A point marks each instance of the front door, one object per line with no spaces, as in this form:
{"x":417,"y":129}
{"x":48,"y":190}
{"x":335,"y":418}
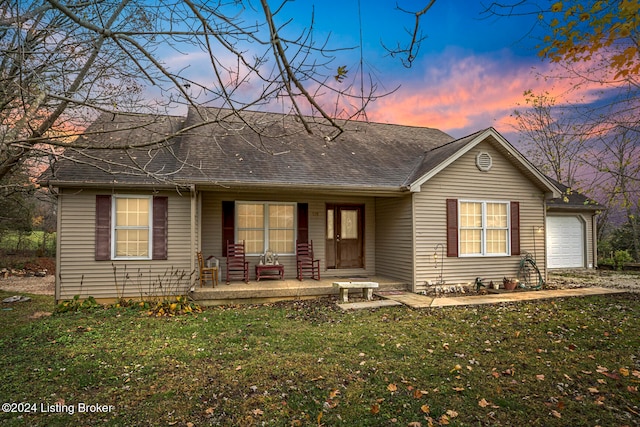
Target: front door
{"x":345,"y":242}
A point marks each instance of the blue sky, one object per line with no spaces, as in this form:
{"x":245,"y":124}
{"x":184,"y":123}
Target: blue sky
{"x":472,"y":69}
{"x":471,"y":73}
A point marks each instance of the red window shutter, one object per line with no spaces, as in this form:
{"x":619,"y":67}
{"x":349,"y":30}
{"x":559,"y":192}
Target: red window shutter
{"x":452,"y":227}
{"x":160,"y":227}
{"x":303,"y":222}
{"x":103,"y":228}
{"x":515,"y":228}
{"x":228,"y":224}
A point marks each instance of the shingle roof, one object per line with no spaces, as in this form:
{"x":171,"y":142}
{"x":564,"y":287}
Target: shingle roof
{"x":107,"y":162}
{"x":571,"y":199}
{"x":230,"y":151}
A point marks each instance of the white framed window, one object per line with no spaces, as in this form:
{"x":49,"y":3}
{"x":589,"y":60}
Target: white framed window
{"x":132,"y":219}
{"x":484,"y":228}
{"x":266,"y":226}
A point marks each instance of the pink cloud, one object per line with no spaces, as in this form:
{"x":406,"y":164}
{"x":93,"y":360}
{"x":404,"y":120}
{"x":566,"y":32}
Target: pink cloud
{"x":461,"y":94}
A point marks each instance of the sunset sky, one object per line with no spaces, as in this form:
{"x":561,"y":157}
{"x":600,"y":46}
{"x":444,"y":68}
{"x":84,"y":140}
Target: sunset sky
{"x":471,"y":73}
{"x":472,"y":69}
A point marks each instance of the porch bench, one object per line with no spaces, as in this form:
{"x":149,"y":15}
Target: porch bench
{"x":367,"y":289}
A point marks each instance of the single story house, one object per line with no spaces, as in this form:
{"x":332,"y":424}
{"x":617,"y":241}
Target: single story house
{"x":409,"y":203}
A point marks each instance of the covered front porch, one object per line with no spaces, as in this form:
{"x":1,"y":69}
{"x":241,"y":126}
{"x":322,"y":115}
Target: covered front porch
{"x":264,"y":291}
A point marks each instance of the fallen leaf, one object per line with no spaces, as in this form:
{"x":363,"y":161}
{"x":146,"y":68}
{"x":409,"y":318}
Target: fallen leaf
{"x":624,"y":372}
{"x":444,"y":420}
{"x":425,"y":408}
{"x":632,"y":388}
{"x":258,"y":412}
{"x":452,"y":413}
{"x":593,"y":390}
{"x":417,"y":394}
{"x":495,"y":374}
{"x":458,"y":388}
{"x":238,"y":368}
{"x":334,"y":393}
{"x":540,"y":377}
{"x":636,"y":373}
{"x":414,"y":424}
{"x":556,"y":414}
{"x":375,"y":409}
{"x":483,"y":403}
{"x":392,"y":387}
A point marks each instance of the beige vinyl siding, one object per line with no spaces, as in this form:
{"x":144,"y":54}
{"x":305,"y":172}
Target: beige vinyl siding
{"x":78,"y":272}
{"x":463,"y":181}
{"x":591,"y":241}
{"x":212,"y":228}
{"x":394,"y":238}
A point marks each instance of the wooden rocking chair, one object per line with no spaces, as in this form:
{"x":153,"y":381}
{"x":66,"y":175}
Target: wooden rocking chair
{"x":237,"y":265}
{"x":306,"y":264}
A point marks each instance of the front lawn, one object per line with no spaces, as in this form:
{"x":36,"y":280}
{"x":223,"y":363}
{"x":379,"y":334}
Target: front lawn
{"x":557,"y":362}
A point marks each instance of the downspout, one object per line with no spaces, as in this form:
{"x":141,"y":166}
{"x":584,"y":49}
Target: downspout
{"x":414,"y":262}
{"x":544,"y":246}
{"x":594,"y":239}
{"x":58,"y":279}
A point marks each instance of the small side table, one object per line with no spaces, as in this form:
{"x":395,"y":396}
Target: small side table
{"x":269,"y":271}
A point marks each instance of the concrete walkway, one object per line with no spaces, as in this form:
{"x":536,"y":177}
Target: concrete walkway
{"x":423,"y":301}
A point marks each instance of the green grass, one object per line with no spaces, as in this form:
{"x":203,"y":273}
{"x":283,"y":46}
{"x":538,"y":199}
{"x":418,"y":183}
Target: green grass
{"x":563,"y":362}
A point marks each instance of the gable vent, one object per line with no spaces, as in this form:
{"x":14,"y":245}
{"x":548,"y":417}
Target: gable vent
{"x":484,"y":161}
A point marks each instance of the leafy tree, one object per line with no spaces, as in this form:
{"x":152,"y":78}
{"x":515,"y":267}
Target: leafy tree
{"x":601,"y":30}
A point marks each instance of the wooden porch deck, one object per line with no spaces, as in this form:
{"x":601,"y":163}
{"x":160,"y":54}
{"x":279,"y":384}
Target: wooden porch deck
{"x":268,"y":290}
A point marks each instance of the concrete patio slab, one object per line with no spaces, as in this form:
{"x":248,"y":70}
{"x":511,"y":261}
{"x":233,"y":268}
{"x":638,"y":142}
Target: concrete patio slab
{"x":522,"y":296}
{"x":408,"y":298}
{"x":423,"y":301}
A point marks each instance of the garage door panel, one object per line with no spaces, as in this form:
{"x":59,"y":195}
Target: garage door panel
{"x":565,"y":242}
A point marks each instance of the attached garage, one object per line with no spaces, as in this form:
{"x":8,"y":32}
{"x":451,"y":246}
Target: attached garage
{"x":565,"y":241}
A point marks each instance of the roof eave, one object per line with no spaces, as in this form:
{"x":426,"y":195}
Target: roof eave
{"x":308,"y":188}
{"x":112,"y":184}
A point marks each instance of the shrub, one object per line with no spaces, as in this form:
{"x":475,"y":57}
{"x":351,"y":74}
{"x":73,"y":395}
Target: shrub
{"x":76,"y":304}
{"x":620,"y":258}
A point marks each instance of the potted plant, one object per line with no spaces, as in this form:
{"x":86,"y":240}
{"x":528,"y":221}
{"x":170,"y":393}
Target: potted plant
{"x":509,"y":284}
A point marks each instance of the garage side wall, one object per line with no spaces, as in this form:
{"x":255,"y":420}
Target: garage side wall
{"x":463,"y":180}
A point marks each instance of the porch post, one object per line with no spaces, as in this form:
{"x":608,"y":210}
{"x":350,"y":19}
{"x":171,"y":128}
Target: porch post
{"x":194,"y":229}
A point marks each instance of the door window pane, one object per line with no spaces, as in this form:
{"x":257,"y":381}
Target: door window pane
{"x":330,"y":226}
{"x":348,"y":224}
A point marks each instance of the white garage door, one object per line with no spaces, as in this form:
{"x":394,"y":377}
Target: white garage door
{"x":565,"y":242}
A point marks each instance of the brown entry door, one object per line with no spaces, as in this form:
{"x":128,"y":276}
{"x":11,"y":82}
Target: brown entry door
{"x":345,"y":227}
